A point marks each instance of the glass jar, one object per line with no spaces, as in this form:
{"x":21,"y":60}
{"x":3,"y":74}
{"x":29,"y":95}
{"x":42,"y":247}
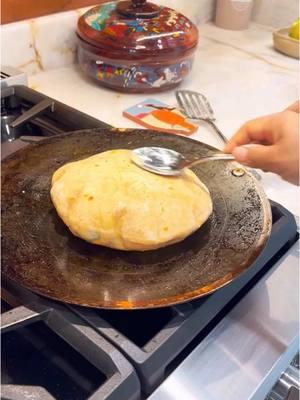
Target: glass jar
{"x":135,"y":46}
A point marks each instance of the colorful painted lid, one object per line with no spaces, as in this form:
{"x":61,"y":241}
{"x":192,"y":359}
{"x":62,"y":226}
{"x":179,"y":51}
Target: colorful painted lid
{"x":137,"y":29}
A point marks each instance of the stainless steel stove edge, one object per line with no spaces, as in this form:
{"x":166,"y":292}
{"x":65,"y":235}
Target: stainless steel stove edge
{"x":12,"y":76}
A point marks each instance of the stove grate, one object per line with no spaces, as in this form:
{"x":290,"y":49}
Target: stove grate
{"x":53,"y":355}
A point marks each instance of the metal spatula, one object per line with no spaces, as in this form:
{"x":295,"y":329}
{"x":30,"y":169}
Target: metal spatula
{"x":196,"y":106}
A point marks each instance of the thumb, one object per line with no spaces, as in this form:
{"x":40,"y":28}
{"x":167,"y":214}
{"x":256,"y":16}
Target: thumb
{"x":255,"y":156}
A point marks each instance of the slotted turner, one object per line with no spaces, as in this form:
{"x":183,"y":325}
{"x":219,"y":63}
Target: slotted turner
{"x":196,"y":106}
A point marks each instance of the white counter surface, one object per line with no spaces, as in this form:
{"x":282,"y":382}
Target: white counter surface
{"x":240,"y":73}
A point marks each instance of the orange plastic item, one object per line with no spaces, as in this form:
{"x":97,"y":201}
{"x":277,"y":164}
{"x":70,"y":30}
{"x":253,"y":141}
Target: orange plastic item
{"x":156,"y":115}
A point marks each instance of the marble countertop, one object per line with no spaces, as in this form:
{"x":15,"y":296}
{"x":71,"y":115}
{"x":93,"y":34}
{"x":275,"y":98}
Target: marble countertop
{"x":240,"y":73}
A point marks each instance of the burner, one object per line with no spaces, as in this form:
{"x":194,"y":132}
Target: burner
{"x":25,"y":112}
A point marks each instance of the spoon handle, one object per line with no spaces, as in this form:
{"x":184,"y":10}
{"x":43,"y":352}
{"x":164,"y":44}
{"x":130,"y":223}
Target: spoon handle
{"x":213,"y":157}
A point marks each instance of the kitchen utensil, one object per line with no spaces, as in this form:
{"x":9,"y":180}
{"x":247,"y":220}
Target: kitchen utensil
{"x":40,"y":253}
{"x":196,"y":106}
{"x":136,"y":46}
{"x":163,"y":161}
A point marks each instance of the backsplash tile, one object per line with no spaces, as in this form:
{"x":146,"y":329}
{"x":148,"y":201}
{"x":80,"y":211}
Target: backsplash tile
{"x":18,"y":47}
{"x":55,"y":39}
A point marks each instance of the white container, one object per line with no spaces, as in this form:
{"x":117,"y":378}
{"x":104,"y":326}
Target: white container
{"x":233,"y":14}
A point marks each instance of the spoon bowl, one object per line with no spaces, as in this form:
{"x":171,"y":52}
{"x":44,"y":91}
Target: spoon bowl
{"x":169,"y":162}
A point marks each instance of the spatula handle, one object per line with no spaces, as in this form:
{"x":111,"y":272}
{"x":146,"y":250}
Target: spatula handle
{"x":217,"y":130}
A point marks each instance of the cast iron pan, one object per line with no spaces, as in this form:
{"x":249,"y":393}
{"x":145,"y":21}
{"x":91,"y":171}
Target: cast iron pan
{"x":40,"y":253}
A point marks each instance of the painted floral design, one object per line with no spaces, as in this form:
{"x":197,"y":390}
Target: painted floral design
{"x":107,"y":20}
{"x":169,"y":30}
{"x":97,"y":20}
{"x":136,"y":76}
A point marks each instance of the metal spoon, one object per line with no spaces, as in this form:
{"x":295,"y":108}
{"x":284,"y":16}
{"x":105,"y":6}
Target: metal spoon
{"x":168,"y":162}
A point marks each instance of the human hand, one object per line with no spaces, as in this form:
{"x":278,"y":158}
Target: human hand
{"x":295,"y":107}
{"x":270,"y":143}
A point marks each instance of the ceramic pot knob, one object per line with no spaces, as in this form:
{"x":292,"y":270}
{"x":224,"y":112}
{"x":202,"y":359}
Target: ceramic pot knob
{"x":138,"y":9}
{"x":138,"y":3}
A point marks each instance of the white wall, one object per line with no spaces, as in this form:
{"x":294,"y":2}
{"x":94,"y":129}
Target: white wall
{"x":276,"y":13}
{"x":199,"y":11}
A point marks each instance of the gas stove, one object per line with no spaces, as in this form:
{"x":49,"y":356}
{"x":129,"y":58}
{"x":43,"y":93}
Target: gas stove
{"x":64,"y":352}
{"x":27,"y":115}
